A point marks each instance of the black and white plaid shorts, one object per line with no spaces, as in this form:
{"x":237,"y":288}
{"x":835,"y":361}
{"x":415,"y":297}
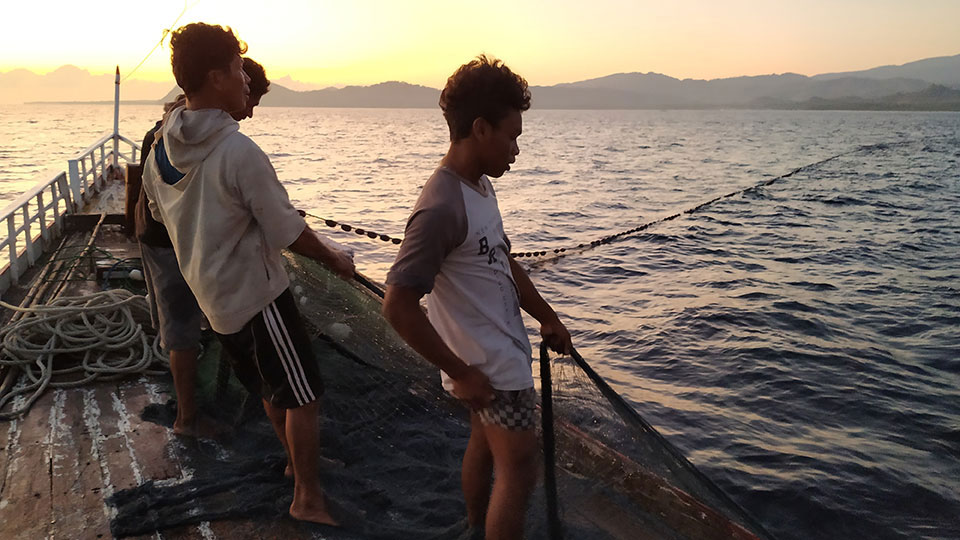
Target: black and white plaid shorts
{"x":511,"y":409}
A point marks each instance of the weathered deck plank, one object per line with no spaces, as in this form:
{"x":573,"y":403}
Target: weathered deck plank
{"x":77,"y":487}
{"x":153,"y":449}
{"x":10,"y":436}
{"x":25,"y":511}
{"x":149,"y":441}
{"x":119,"y":472}
{"x":245,"y":528}
{"x":8,"y":432}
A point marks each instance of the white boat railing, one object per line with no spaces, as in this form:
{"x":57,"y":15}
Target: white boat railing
{"x":35,"y":219}
{"x":87,"y":170}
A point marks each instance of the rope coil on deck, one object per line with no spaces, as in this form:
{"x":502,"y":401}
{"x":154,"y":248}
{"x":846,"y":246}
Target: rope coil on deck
{"x":98,"y":330}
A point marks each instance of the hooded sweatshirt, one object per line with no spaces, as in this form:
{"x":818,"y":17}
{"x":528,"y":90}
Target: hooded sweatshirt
{"x":227,"y":214}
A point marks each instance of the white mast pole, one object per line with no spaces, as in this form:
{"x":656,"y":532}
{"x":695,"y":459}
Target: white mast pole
{"x":116,"y":118}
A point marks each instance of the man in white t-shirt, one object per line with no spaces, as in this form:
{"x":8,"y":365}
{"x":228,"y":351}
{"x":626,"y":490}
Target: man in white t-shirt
{"x":454,"y":248}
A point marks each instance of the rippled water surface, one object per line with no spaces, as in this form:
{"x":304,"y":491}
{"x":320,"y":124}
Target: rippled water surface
{"x":798,"y":341}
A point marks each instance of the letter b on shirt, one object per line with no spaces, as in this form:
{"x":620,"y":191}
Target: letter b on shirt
{"x":485,"y":249}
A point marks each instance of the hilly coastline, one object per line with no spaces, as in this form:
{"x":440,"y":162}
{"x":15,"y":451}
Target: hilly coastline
{"x":931,"y":84}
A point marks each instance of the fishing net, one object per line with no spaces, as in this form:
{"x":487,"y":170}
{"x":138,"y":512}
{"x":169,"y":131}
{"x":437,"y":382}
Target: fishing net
{"x":616,"y":473}
{"x":392,"y":442}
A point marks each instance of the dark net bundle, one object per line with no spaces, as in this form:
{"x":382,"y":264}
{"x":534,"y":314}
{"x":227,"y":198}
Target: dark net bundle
{"x":392,"y":442}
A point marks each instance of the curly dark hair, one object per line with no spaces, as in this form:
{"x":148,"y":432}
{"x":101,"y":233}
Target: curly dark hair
{"x":259,"y":83}
{"x":482,"y":88}
{"x":198,"y":49}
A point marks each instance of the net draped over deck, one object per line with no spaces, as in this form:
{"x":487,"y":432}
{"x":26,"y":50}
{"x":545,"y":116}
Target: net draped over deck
{"x":392,"y":442}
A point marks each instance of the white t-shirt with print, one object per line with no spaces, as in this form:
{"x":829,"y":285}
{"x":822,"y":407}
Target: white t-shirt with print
{"x":455,"y":250}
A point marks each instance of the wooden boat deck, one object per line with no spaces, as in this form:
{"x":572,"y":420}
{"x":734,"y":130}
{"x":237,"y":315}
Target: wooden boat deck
{"x":76,"y":447}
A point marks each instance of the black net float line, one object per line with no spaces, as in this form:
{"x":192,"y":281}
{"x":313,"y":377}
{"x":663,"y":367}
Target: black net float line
{"x":556,"y":253}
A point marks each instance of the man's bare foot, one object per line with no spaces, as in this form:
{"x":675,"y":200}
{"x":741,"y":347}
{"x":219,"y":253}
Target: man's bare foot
{"x":315,"y":512}
{"x":201,"y":428}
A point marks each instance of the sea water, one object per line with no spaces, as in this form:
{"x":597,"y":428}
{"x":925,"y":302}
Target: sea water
{"x":799,"y":342}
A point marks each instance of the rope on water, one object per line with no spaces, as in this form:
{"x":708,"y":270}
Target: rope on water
{"x":584,"y":246}
{"x":559,"y":252}
{"x":362,"y":232}
{"x":587,"y":245}
{"x":98,"y":332}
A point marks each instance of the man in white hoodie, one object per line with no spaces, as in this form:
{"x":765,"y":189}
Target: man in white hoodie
{"x":173,"y":307}
{"x":228,"y":218}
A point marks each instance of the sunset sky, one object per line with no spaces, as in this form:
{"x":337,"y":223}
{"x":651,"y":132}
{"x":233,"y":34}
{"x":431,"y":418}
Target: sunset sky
{"x":369,"y":41}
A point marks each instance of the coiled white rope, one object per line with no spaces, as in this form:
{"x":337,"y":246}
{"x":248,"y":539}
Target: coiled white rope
{"x":100,"y":327}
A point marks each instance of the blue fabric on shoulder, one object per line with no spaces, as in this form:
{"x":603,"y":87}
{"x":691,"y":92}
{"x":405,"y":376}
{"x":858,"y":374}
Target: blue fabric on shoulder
{"x":168,"y":172}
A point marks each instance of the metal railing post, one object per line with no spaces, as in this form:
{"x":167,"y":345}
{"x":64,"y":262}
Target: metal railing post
{"x":116,"y":117}
{"x":64,"y":194}
{"x":12,"y":246}
{"x":103,"y":169}
{"x":74,"y":172}
{"x":28,"y":235}
{"x":42,"y":220}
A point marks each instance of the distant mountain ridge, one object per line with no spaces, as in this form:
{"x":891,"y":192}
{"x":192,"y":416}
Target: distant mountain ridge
{"x":942,"y":70}
{"x":933,"y":98}
{"x":70,"y":83}
{"x":391,"y":94}
{"x":901,"y":87}
{"x":642,"y":90}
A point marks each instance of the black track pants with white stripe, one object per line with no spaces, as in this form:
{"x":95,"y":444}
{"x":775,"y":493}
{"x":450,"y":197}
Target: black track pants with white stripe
{"x":272,"y":356}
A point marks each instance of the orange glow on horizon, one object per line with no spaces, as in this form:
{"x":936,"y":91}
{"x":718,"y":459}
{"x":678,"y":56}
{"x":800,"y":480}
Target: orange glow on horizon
{"x":370,"y":41}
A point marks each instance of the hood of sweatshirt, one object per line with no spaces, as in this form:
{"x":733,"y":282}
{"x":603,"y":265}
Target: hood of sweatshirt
{"x":190,"y":136}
